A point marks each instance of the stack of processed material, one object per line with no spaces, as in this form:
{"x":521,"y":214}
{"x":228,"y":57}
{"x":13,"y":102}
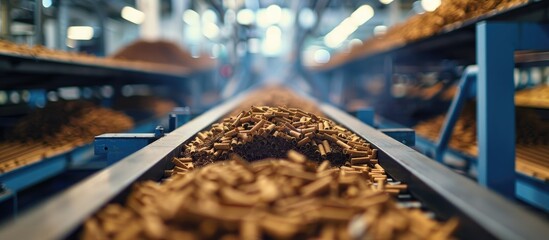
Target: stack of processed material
{"x":41,"y":52}
{"x":56,"y":128}
{"x":449,"y":14}
{"x":291,"y":198}
{"x":537,"y":97}
{"x":277,"y":96}
{"x":532,"y":134}
{"x":163,"y":52}
{"x":263,"y":131}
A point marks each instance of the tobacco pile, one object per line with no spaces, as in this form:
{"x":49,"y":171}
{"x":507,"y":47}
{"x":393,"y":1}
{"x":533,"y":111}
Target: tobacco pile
{"x":162,"y":52}
{"x":276,"y":96}
{"x":41,"y":52}
{"x":533,"y":97}
{"x":262,"y":132}
{"x":64,"y":122}
{"x":56,"y":129}
{"x":269,"y":199}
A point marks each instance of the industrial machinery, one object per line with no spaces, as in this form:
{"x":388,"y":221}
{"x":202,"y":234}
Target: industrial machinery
{"x":482,"y":214}
{"x":455,"y":77}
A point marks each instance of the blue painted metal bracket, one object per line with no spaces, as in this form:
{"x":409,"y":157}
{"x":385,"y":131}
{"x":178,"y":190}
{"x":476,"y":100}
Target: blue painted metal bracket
{"x":465,"y":91}
{"x":406,"y":136}
{"x":533,"y":191}
{"x":178,"y":117}
{"x":366,"y":115}
{"x":115,"y":146}
{"x":5,"y":193}
{"x":496,"y":44}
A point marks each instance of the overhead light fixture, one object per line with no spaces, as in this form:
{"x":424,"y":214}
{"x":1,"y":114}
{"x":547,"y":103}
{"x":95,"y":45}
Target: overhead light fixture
{"x":380,"y":30}
{"x":80,"y":33}
{"x":362,"y":14}
{"x":272,"y":45}
{"x":191,"y":17}
{"x":307,"y":18}
{"x":430,"y":5}
{"x":245,"y":17}
{"x":355,"y":42}
{"x":133,"y":15}
{"x":321,"y":56}
{"x":272,"y":15}
{"x":385,"y":1}
{"x":209,"y":16}
{"x":210,"y":30}
{"x":348,"y":26}
{"x":47,"y":3}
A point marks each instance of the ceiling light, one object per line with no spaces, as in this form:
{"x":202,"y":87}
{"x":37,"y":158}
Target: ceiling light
{"x":430,"y":5}
{"x":80,"y":32}
{"x":133,"y":15}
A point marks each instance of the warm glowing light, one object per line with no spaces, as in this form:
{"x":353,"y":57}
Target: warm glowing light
{"x":321,"y":56}
{"x":307,"y":18}
{"x":380,"y":30}
{"x":273,"y":41}
{"x":271,"y":15}
{"x":362,"y":14}
{"x":430,"y":5}
{"x":210,"y":30}
{"x":47,"y":3}
{"x":191,"y":17}
{"x":209,"y":16}
{"x":133,"y":15}
{"x":80,"y":32}
{"x":245,"y":17}
{"x":385,"y":1}
{"x":348,"y":26}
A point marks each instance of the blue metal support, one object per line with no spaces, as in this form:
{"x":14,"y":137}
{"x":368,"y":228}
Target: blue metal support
{"x":366,"y":115}
{"x":496,"y":45}
{"x":406,"y":136}
{"x":115,"y":146}
{"x":496,"y":107}
{"x":178,"y":117}
{"x":465,"y":91}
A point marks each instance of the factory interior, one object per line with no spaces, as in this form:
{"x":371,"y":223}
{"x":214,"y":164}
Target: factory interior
{"x":274,"y":119}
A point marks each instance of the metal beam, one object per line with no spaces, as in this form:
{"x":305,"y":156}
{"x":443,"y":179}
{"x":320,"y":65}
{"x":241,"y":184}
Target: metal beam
{"x":463,"y":93}
{"x":496,"y":106}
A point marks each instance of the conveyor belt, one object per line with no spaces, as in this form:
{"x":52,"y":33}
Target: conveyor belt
{"x":483,"y":215}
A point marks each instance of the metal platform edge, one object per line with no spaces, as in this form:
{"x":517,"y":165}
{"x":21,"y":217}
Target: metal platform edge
{"x":61,"y":215}
{"x":483,"y":213}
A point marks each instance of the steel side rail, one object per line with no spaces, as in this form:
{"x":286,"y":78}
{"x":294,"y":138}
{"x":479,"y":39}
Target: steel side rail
{"x":482,"y":213}
{"x":60,"y":216}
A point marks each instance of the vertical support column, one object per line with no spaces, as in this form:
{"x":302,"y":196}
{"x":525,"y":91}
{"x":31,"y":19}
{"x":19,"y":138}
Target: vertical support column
{"x":496,"y":107}
{"x":63,"y":24}
{"x":5,"y":10}
{"x":38,"y":23}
